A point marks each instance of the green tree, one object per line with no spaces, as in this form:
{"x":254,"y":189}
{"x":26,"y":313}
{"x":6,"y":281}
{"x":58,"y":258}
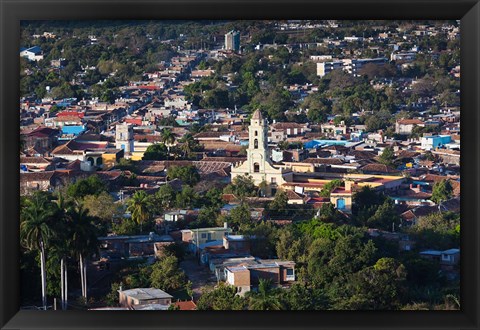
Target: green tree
{"x":102,"y":206}
{"x":241,"y":186}
{"x":441,"y":191}
{"x":266,"y":298}
{"x":155,"y":151}
{"x":439,"y":230}
{"x":89,"y":186}
{"x":189,"y":144}
{"x":186,"y":198}
{"x":165,"y":196}
{"x":168,"y":138}
{"x":82,"y":240}
{"x":166,"y":275}
{"x":126,"y":226}
{"x":240,"y":215}
{"x":290,"y":246}
{"x":206,"y":218}
{"x":375,"y":288}
{"x":300,"y":297}
{"x":188,"y":174}
{"x":387,"y":157}
{"x":36,"y":230}
{"x":385,"y":217}
{"x":365,"y":204}
{"x":330,"y":186}
{"x":140,"y":205}
{"x":222,"y":298}
{"x":213,"y":197}
{"x":279,"y":204}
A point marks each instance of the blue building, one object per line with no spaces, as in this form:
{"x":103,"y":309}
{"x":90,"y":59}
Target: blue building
{"x":435,"y":141}
{"x":319,"y":143}
{"x":72,"y":131}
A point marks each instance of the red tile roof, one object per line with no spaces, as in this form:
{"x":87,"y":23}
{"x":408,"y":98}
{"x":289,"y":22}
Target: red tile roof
{"x":410,"y":122}
{"x":328,"y":161}
{"x":379,"y":168}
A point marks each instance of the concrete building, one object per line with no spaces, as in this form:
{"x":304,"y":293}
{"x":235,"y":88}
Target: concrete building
{"x":246,"y":275}
{"x":232,"y":41}
{"x":405,"y":56}
{"x":144,"y":296}
{"x":353,"y":66}
{"x":435,"y":141}
{"x":324,"y":68}
{"x":405,"y":126}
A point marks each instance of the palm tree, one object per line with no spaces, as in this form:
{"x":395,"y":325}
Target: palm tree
{"x":139,"y":205}
{"x":83,"y":241}
{"x":35,"y":231}
{"x":61,"y":243}
{"x":188,"y":142}
{"x":168,"y":138}
{"x":266,"y":298}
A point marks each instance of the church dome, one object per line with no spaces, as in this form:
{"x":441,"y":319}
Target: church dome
{"x":257,"y":115}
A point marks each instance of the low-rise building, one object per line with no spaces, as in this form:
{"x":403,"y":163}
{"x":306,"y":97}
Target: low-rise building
{"x":405,"y":126}
{"x":143,"y":296}
{"x":435,"y":141}
{"x":244,"y":276}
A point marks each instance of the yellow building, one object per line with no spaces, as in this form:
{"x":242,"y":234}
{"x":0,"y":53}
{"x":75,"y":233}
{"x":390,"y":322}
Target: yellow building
{"x":111,"y":157}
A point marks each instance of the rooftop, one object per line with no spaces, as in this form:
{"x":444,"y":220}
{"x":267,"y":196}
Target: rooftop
{"x":146,"y":293}
{"x":257,"y":115}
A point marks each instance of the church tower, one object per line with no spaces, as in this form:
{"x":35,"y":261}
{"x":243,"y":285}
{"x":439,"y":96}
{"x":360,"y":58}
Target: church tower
{"x":257,"y":152}
{"x":124,"y":137}
{"x":258,"y":164}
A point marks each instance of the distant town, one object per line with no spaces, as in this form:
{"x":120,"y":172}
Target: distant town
{"x":240,"y":165}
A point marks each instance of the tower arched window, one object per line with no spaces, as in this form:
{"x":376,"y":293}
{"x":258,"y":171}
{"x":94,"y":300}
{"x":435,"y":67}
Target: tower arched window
{"x":255,"y":144}
{"x":256,"y":133}
{"x":256,"y":168}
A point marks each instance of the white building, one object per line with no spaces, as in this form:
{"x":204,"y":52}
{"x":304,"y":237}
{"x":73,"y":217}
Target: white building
{"x":323,"y":68}
{"x":32,"y":54}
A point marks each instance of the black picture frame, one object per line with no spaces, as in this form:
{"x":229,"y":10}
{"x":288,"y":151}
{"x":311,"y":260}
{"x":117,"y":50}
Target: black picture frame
{"x":13,"y":11}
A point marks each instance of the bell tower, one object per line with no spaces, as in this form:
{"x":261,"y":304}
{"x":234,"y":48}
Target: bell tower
{"x":258,"y":164}
{"x":257,"y":152}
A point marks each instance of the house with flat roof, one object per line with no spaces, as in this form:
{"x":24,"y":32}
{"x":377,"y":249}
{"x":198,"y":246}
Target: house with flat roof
{"x":244,"y":276}
{"x":143,"y":296}
{"x":200,"y":236}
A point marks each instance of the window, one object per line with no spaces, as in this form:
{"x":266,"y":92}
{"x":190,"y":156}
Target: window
{"x":204,"y":235}
{"x":256,"y":168}
{"x":290,"y":274}
{"x":256,"y":133}
{"x":255,"y":144}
